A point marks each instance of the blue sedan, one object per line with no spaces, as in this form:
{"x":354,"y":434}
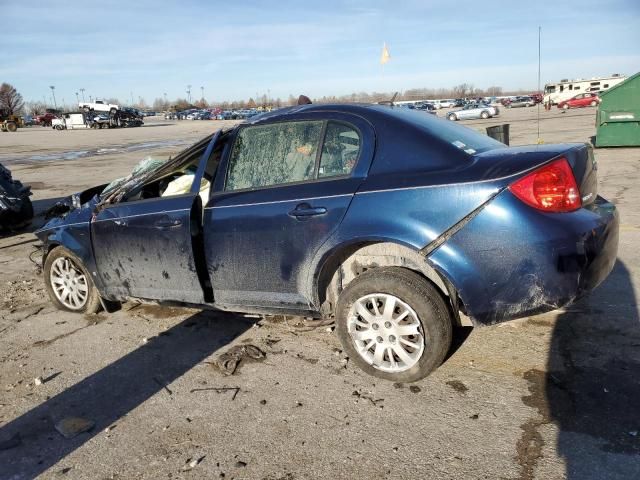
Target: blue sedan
{"x":389,"y":221}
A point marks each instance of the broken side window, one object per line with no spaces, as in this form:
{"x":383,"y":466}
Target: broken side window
{"x":340,"y":150}
{"x":274,"y":154}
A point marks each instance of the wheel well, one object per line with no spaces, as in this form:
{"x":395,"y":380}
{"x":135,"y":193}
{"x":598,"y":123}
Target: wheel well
{"x":344,"y":266}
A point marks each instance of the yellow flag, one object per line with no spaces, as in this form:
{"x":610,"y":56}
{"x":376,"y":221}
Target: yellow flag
{"x":384,"y":58}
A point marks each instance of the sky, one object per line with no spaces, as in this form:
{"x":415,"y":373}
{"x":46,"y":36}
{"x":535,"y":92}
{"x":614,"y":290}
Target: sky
{"x":236,"y":50}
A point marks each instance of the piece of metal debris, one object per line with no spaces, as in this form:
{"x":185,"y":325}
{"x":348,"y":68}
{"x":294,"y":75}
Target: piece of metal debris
{"x":38,"y":381}
{"x":70,"y":427}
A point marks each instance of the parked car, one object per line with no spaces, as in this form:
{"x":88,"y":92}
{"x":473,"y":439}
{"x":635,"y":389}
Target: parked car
{"x":16,"y":209}
{"x":472,"y":111}
{"x":45,"y":119}
{"x":426,"y":107}
{"x":387,"y":220}
{"x":581,"y":100}
{"x":522,"y":101}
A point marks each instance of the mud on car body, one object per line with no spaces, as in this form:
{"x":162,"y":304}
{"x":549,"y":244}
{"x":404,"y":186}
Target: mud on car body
{"x":388,"y":220}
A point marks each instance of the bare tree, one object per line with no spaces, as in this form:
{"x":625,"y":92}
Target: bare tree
{"x":494,"y":91}
{"x":35,"y":108}
{"x":10,"y":100}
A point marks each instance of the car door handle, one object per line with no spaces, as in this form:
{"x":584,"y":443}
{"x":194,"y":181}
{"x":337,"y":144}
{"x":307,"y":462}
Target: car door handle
{"x":168,"y":223}
{"x":306,"y":210}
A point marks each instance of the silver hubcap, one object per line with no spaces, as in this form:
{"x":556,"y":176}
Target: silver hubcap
{"x":386,"y":332}
{"x":69,"y":283}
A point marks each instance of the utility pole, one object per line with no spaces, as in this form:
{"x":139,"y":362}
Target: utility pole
{"x":189,"y":93}
{"x":82,"y":90}
{"x":90,"y":99}
{"x":53,"y":94}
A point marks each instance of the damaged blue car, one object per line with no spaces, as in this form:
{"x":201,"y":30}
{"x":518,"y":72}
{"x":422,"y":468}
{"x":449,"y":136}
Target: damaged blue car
{"x":392,"y":222}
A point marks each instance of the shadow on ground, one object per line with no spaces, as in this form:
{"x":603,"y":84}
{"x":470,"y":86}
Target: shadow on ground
{"x":113,"y":391}
{"x":591,"y":389}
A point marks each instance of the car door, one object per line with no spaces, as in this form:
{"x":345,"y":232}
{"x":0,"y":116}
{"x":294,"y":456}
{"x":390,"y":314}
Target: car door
{"x":148,"y":248}
{"x":271,"y":215}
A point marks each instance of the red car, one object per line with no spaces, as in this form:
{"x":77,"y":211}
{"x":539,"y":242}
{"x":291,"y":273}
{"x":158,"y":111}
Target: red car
{"x":45,"y":119}
{"x":582,"y":100}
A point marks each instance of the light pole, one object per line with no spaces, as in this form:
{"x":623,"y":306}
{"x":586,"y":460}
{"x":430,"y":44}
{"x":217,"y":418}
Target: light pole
{"x":132,"y":102}
{"x":202,"y":90}
{"x":82,"y":90}
{"x":189,"y":93}
{"x":166,"y":104}
{"x":53,"y":93}
{"x":77,"y":98}
{"x":90,"y":99}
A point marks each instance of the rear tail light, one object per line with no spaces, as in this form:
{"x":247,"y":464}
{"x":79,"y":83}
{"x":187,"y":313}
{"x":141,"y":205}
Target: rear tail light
{"x":551,"y":188}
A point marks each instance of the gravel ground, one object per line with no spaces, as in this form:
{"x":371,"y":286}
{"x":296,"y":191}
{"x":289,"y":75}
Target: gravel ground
{"x":547,"y":397}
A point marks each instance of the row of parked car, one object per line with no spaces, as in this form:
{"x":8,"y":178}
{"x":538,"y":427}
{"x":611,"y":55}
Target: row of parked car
{"x":211,"y":114}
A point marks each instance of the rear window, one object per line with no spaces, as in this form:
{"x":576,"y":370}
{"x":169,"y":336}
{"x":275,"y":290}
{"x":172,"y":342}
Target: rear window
{"x":461,"y":137}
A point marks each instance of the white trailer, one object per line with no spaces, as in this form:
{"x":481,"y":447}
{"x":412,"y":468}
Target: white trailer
{"x":566,"y":89}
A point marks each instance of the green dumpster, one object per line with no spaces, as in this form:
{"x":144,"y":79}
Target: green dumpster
{"x":618,"y":117}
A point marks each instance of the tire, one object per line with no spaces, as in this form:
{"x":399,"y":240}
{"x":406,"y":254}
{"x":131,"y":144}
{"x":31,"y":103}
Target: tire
{"x":593,"y":103}
{"x":112,"y":111}
{"x":427,"y":313}
{"x":484,"y":115}
{"x":86,"y":109}
{"x":565,"y":106}
{"x":91,"y":303}
{"x":452,"y":117}
{"x":11,"y":127}
{"x":59,"y":127}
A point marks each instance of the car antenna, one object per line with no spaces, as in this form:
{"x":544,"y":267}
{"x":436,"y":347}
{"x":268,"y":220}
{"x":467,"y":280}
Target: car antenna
{"x":389,"y":102}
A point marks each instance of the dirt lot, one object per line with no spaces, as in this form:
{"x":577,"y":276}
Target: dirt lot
{"x":547,"y":397}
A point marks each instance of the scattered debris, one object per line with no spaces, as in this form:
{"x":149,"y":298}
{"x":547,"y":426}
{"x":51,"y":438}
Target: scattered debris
{"x":229,"y":361}
{"x":235,"y":390}
{"x":415,"y":389}
{"x":458,"y":386}
{"x":263,"y":402}
{"x":163,"y":385}
{"x":72,"y":426}
{"x":190,"y":464}
{"x":241,"y":464}
{"x":373,"y":401}
{"x":475,"y":416}
{"x":38,"y":381}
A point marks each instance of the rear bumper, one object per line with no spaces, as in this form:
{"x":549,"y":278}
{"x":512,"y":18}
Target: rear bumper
{"x":511,"y":261}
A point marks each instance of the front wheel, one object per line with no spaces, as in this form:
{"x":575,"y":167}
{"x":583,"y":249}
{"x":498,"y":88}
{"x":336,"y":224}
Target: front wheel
{"x":68,"y":283}
{"x":484,"y":115}
{"x":394,"y":324}
{"x":565,"y":106}
{"x":593,"y":103}
{"x":452,"y":117}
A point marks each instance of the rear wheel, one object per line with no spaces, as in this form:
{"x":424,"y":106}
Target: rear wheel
{"x":484,"y":114}
{"x":68,"y":283}
{"x":593,"y":103}
{"x":11,"y":127}
{"x":565,"y":106}
{"x":394,"y":324}
{"x":452,"y":117}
